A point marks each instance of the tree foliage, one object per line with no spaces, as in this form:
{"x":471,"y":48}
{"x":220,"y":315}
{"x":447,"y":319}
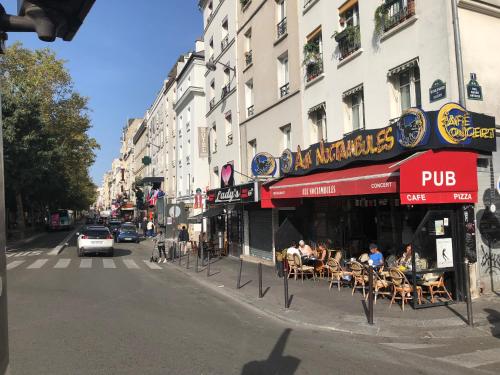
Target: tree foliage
{"x":47,"y":150}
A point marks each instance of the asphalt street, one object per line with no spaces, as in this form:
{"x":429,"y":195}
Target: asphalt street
{"x":124,"y":315}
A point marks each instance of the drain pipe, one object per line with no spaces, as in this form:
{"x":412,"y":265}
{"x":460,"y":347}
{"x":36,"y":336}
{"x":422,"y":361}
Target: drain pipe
{"x":458,"y":54}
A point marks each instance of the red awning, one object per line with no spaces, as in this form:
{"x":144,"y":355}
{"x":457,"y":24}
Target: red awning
{"x":458,"y":183}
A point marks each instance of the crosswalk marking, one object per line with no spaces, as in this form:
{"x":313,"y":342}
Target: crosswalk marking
{"x":22,"y":253}
{"x":10,"y":255}
{"x":152,"y":265}
{"x":474,"y":359}
{"x":62,"y":263}
{"x":86,"y":263}
{"x":129,"y":263}
{"x":33,"y":253}
{"x":14,"y":264}
{"x":108,"y":263}
{"x":410,"y":346}
{"x":39,"y":263}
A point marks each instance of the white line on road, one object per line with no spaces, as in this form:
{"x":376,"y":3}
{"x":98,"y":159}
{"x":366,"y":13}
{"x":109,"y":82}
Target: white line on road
{"x":39,"y":263}
{"x":86,"y":263}
{"x":22,"y":253}
{"x":9,"y":255}
{"x":14,"y":264}
{"x":62,"y":263}
{"x":130,"y":264}
{"x":409,"y":346}
{"x":108,"y":263}
{"x":152,"y":265}
{"x":33,"y":253}
{"x":474,"y":359}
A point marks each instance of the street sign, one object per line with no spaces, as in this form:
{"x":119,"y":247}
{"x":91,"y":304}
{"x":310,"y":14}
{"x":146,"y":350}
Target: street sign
{"x":474,"y":90}
{"x":174,"y":211}
{"x":437,"y":91}
{"x":146,"y":160}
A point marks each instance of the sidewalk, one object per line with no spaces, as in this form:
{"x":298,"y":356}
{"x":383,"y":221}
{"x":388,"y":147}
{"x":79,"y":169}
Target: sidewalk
{"x":314,"y":305}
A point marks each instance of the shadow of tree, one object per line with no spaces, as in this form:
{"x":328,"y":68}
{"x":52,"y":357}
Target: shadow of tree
{"x":494,"y":319}
{"x":276,"y":363}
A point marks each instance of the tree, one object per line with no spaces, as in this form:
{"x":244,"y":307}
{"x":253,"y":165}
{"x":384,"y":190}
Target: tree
{"x":48,"y":152}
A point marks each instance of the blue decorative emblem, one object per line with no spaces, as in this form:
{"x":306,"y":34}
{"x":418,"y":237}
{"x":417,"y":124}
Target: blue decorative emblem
{"x":263,"y":164}
{"x":413,"y":128}
{"x":286,"y":161}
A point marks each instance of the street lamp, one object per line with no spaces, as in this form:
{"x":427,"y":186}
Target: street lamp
{"x":50,"y":20}
{"x":213,"y":66}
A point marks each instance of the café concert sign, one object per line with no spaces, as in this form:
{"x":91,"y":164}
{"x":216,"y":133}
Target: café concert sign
{"x":452,"y":127}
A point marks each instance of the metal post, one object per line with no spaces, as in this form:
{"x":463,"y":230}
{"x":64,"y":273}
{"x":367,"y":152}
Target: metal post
{"x":458,"y":54}
{"x":197,"y":256}
{"x":260,"y":280}
{"x":370,"y":295}
{"x":187,"y":262}
{"x":470,"y":318}
{"x":238,"y":286}
{"x":285,"y":285}
{"x":208,"y":265}
{"x":202,"y":256}
{"x":180,"y":254}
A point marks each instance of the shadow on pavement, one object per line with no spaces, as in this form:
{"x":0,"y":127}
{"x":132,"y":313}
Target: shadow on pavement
{"x":494,"y":319}
{"x":464,"y":319}
{"x":276,"y":363}
{"x":117,"y":253}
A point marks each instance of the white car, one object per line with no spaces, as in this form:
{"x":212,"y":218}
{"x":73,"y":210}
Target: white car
{"x":95,"y":239}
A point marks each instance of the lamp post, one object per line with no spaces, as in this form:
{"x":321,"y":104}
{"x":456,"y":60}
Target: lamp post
{"x":50,"y":20}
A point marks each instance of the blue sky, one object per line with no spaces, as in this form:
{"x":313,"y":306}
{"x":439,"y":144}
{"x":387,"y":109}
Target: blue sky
{"x":119,"y":59}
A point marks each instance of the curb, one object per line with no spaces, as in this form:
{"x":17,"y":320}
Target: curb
{"x":426,"y":328}
{"x":59,"y":248}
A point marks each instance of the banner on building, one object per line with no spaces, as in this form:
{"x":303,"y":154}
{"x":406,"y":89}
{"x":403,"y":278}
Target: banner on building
{"x":203,"y":141}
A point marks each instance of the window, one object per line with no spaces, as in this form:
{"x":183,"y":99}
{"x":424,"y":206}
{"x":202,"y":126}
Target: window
{"x":397,"y":11}
{"x":211,"y":49}
{"x":317,"y":116}
{"x":283,"y":75}
{"x":281,"y":16}
{"x":213,"y":138}
{"x":225,"y":34}
{"x":287,"y":136}
{"x":248,"y":47}
{"x":227,"y":81}
{"x":355,"y":110}
{"x":228,"y":128}
{"x":212,"y":94}
{"x":313,"y":55}
{"x":348,"y":39}
{"x":409,"y":88}
{"x":249,"y":98}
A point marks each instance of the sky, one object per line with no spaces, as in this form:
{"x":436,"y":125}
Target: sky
{"x":119,"y":60}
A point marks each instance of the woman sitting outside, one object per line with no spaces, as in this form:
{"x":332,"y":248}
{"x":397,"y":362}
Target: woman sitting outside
{"x":405,"y":262}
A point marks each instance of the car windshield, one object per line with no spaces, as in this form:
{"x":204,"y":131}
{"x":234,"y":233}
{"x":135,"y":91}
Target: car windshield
{"x":96,"y":233}
{"x":127,"y":228}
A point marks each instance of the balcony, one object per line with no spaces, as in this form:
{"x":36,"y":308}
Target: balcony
{"x":244,"y":3}
{"x":229,"y":139}
{"x":281,"y":28}
{"x":250,"y":111}
{"x":224,"y":43}
{"x":395,"y":13}
{"x":314,"y":67}
{"x":225,"y":90}
{"x":285,"y":90}
{"x":211,"y":104}
{"x":307,"y":2}
{"x":248,"y":58}
{"x":349,"y":41}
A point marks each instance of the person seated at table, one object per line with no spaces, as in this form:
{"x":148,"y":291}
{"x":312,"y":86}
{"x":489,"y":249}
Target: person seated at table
{"x":293,"y":249}
{"x":307,"y":253}
{"x":323,"y":253}
{"x":376,"y":256}
{"x":405,"y":260}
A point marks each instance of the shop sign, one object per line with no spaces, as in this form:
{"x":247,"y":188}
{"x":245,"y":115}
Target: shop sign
{"x":227,"y":176}
{"x":263,"y":164}
{"x":235,"y":194}
{"x":437,"y":91}
{"x":474,"y":90}
{"x":203,"y":141}
{"x":450,"y":127}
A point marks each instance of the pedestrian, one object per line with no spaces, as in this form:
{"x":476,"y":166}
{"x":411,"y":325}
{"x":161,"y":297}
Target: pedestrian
{"x":183,"y":240}
{"x":160,"y":243}
{"x":149,"y":227}
{"x":144,"y":226}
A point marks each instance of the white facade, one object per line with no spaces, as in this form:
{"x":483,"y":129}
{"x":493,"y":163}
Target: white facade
{"x":222,"y":117}
{"x":190,"y":109}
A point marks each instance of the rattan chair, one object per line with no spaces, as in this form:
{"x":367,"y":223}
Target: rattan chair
{"x":381,"y":286}
{"x":292,"y":266}
{"x":336,"y":273}
{"x":402,"y":287}
{"x":302,"y":269}
{"x":359,"y":277}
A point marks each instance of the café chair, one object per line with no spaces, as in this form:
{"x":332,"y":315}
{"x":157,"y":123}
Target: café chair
{"x":301,"y":268}
{"x":435,"y":285}
{"x":292,"y":266}
{"x":402,"y":289}
{"x":336,"y":273}
{"x":381,"y":286}
{"x":359,"y":277}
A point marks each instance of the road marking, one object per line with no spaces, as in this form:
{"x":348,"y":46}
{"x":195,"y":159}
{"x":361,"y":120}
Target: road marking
{"x":86,"y":263}
{"x":14,"y":264}
{"x":59,"y":248}
{"x":62,"y":263}
{"x":10,"y":255}
{"x":33,"y":253}
{"x":108,"y":263}
{"x":152,"y":265}
{"x":130,"y":264}
{"x":37,"y":264}
{"x":474,"y":359}
{"x":409,"y":346}
{"x":22,"y":253}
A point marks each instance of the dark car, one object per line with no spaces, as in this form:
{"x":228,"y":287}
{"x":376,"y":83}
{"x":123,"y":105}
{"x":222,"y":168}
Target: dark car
{"x":127,"y":232}
{"x":89,"y":220}
{"x":114,"y":225}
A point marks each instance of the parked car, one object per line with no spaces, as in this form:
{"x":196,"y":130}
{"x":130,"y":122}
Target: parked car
{"x":114,"y":225}
{"x":127,"y":232}
{"x":95,"y":239}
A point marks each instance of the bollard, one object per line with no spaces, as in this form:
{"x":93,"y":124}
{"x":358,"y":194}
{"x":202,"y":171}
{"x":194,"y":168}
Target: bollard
{"x":208,"y":265}
{"x":180,"y":254}
{"x":202,"y":256}
{"x":197,"y":256}
{"x":285,"y":285}
{"x":370,"y":295}
{"x":470,"y":318}
{"x":187,"y":262}
{"x":260,"y":280}
{"x":238,"y":285}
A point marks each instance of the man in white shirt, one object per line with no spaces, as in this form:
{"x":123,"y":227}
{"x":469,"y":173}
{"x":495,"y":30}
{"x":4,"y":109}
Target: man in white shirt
{"x":293,"y":249}
{"x":305,"y":249}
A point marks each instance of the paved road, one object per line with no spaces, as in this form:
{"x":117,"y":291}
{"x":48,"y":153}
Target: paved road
{"x":123,"y":315}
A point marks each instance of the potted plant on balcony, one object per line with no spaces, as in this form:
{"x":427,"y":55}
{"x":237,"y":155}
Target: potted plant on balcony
{"x":311,"y":53}
{"x":351,"y":34}
{"x":381,"y":16}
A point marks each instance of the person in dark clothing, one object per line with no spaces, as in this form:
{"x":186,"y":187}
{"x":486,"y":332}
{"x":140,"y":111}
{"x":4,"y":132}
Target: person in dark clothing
{"x":183,"y":239}
{"x":160,"y":243}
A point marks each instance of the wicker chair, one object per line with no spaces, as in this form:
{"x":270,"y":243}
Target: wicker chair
{"x":292,"y":266}
{"x":435,"y":285}
{"x":336,"y":273}
{"x":402,"y":287}
{"x":359,"y":276}
{"x":381,"y":286}
{"x":302,"y":269}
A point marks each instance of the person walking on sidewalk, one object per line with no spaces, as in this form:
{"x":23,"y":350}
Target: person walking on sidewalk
{"x":160,"y":244}
{"x":183,"y":240}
